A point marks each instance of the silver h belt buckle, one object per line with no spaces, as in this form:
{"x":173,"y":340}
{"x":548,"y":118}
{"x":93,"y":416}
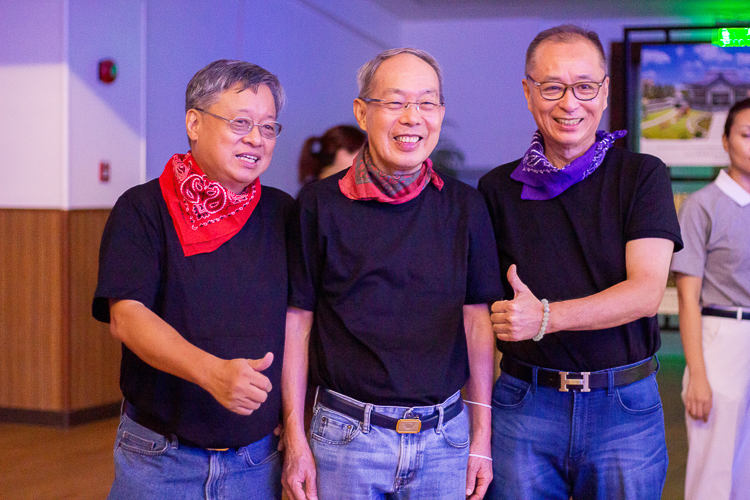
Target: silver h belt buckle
{"x":565,"y":381}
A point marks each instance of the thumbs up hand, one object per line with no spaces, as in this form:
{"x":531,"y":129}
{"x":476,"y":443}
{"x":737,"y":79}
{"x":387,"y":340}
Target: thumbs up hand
{"x":239,"y":385}
{"x":520,"y":318}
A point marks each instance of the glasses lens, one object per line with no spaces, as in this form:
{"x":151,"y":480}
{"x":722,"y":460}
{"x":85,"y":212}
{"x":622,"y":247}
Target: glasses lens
{"x":551,"y":90}
{"x":270,"y":130}
{"x":586,"y":90}
{"x":428,"y":108}
{"x":241,"y":126}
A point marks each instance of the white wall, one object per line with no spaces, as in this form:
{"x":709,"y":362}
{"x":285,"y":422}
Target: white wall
{"x":314,"y":47}
{"x":483,"y":61}
{"x":33,"y":83}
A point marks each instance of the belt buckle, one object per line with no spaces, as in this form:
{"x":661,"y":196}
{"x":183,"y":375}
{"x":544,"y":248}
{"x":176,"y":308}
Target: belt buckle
{"x":565,"y":381}
{"x":408,"y":425}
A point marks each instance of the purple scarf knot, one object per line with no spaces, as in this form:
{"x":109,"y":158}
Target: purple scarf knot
{"x":542,"y":181}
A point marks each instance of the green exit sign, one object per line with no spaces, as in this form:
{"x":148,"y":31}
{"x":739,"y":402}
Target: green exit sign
{"x":731,"y":37}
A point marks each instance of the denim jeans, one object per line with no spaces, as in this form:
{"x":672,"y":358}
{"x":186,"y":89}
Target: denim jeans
{"x":356,"y":460}
{"x":604,"y":444}
{"x":149,"y":466}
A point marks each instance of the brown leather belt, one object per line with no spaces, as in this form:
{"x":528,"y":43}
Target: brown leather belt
{"x":582,"y":381}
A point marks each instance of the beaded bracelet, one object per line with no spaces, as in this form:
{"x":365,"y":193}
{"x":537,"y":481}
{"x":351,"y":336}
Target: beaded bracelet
{"x":545,"y":320}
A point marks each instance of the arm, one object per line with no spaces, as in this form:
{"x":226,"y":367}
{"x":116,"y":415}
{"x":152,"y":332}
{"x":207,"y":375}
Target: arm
{"x":698,"y":396}
{"x":481,"y":347}
{"x":298,"y":477}
{"x":237,"y":384}
{"x":647,"y":267}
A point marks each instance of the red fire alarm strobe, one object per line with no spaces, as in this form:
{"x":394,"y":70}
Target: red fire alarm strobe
{"x":107,"y":70}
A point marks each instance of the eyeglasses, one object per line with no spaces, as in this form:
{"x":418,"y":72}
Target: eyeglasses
{"x":243,"y":126}
{"x":554,"y":91}
{"x":425,"y":108}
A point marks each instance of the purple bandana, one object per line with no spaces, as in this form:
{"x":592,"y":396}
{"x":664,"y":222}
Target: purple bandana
{"x":542,"y":181}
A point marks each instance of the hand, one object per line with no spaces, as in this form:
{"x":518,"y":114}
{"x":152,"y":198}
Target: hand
{"x":298,"y":476}
{"x":238,"y":384}
{"x":279,"y":431}
{"x":478,"y":477}
{"x":520,"y":318}
{"x":698,"y":397}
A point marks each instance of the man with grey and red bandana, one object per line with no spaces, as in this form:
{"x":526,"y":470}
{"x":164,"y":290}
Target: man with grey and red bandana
{"x":391,"y":270}
{"x":585,"y":232}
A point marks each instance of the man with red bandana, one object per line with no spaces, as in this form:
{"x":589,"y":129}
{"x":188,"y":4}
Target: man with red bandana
{"x":391,"y":269}
{"x":193,"y":280}
{"x":585,"y":232}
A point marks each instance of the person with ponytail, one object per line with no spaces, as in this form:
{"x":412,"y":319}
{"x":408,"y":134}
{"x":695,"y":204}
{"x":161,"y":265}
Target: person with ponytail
{"x":332,"y":152}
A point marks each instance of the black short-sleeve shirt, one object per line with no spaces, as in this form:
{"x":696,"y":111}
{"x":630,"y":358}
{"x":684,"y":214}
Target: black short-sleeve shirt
{"x":230,"y":302}
{"x":388,"y":284}
{"x":573,"y":246}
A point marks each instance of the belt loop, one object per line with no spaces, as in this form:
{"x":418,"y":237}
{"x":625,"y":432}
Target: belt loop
{"x":534,"y":370}
{"x":739,"y":314}
{"x":122,"y":408}
{"x":315,"y":401}
{"x":366,"y":423}
{"x":439,"y":427}
{"x":610,"y":382}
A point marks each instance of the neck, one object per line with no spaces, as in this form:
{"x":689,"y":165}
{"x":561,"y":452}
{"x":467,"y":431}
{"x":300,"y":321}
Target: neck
{"x":562,"y":157}
{"x":739,"y":177}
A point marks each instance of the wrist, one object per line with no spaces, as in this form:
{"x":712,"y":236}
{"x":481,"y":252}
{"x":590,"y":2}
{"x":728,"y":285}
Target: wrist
{"x":545,"y":321}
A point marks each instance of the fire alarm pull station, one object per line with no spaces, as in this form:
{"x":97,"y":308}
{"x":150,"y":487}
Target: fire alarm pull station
{"x":103,"y":171}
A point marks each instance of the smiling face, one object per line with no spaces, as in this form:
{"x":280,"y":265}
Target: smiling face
{"x":738,"y":147}
{"x":232,"y":160}
{"x":400,"y":142}
{"x":567,"y":125}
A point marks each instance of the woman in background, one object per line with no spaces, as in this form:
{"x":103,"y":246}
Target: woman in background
{"x":713,"y":285}
{"x":330,"y":153}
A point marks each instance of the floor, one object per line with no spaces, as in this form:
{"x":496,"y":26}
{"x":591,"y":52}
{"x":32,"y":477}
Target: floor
{"x":46,"y":463}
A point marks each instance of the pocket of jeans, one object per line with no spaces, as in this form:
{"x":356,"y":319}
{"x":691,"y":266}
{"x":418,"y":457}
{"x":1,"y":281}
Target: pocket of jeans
{"x":639,"y":398}
{"x":456,"y":431}
{"x":259,"y":455}
{"x":509,"y":392}
{"x":139,"y":439}
{"x":331,"y":427}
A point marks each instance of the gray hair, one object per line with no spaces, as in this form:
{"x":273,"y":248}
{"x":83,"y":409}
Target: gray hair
{"x":366,"y":73}
{"x":565,"y":33}
{"x":205,"y":87}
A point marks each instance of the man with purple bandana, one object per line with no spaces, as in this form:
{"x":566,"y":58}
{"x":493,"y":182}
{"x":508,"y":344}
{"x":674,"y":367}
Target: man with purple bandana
{"x":391,"y":269}
{"x":585,"y":232}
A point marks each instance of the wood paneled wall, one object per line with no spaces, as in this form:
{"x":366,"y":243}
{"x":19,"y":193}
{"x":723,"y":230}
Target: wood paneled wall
{"x":53,"y":356}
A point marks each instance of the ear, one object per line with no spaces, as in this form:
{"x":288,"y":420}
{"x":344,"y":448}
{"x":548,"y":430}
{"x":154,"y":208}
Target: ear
{"x":605,"y":89}
{"x":360,"y":113}
{"x":526,"y":92}
{"x":192,"y":124}
{"x":725,"y":142}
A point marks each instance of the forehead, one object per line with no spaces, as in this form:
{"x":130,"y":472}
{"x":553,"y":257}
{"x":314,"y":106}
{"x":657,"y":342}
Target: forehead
{"x":578,"y":58}
{"x":248,"y":100}
{"x":742,"y":118}
{"x":405,"y":73}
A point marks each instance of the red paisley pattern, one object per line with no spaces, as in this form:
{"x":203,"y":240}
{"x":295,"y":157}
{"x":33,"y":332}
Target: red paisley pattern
{"x":205,"y":214}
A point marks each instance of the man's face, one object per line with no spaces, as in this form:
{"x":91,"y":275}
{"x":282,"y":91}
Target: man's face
{"x":233,"y":160}
{"x":567,"y":125}
{"x":401,"y":141}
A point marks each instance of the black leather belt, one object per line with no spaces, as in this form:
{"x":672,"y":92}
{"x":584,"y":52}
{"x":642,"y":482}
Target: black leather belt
{"x":411,"y":425}
{"x":157,"y":426}
{"x":735,"y":313}
{"x":583,"y":381}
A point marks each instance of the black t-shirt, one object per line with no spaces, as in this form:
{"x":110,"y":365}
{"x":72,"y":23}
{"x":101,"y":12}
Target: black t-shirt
{"x":573,"y":246}
{"x":230,"y":302}
{"x":388,"y":284}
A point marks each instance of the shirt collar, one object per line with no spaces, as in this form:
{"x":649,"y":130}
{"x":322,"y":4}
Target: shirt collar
{"x":730,"y":188}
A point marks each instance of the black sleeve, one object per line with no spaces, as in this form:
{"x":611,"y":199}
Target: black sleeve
{"x":129,"y":256}
{"x":653,"y":214}
{"x":483,"y":277}
{"x":304,"y":255}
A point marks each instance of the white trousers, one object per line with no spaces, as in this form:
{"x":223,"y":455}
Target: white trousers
{"x":718,"y":465}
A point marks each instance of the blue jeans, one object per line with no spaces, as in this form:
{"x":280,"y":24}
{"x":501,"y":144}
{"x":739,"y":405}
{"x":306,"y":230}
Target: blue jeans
{"x":356,"y":460}
{"x":604,"y":444}
{"x":149,"y":466}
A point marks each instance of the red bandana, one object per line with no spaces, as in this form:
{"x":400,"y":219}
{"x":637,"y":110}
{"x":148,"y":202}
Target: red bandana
{"x":364,"y":181}
{"x":205,"y":214}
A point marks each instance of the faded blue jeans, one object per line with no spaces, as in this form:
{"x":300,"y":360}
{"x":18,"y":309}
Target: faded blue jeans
{"x":356,"y":460}
{"x":150,"y":466}
{"x":604,"y":444}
